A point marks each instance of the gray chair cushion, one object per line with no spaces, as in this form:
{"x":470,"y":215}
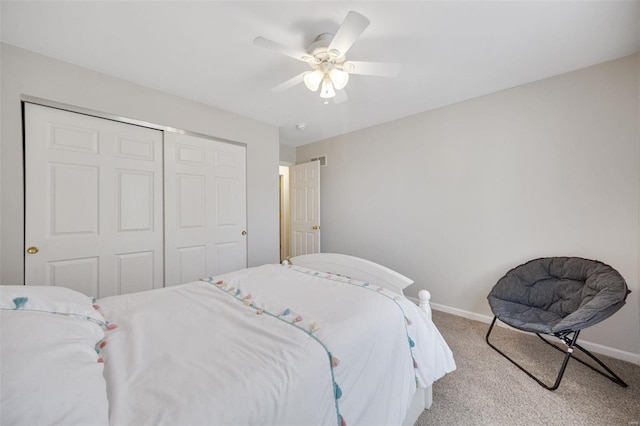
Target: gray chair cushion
{"x":557,"y":294}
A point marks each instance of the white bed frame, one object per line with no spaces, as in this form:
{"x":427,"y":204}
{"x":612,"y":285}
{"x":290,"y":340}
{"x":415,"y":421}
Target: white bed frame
{"x":365,"y":270}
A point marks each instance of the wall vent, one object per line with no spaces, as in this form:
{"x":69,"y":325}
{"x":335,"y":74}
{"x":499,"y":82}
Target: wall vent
{"x":322,"y":159}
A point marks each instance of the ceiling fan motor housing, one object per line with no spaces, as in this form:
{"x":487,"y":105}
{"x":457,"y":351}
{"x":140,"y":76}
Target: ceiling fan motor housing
{"x":320,"y":52}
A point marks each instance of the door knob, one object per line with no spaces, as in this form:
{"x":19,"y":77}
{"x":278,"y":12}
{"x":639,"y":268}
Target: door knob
{"x":315,"y":227}
{"x":32,"y":250}
{"x":244,"y":232}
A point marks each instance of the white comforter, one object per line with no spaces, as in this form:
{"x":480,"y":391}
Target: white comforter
{"x":272,"y":345}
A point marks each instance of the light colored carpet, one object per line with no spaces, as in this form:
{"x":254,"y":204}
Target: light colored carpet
{"x":487,"y":389}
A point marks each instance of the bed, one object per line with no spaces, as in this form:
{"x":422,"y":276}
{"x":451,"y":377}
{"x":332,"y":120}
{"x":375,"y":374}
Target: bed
{"x":321,"y":339}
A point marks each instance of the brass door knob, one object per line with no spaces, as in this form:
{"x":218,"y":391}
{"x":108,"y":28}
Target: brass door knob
{"x":32,"y":250}
{"x":315,"y":227}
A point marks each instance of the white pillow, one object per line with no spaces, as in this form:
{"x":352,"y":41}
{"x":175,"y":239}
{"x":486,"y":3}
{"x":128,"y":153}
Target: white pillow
{"x":50,"y":371}
{"x":51,"y":299}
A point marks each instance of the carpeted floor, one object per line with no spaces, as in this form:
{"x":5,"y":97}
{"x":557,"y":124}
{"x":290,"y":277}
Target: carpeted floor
{"x":486,"y":389}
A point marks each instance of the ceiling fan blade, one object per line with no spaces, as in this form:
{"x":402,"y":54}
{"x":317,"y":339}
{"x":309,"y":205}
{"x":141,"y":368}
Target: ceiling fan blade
{"x":352,"y":26}
{"x":340,"y":97}
{"x":380,"y":69}
{"x":300,"y":55}
{"x":294,"y":81}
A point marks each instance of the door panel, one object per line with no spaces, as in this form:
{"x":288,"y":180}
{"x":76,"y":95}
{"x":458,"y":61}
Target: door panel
{"x":73,"y":138}
{"x":135,"y":201}
{"x":136,"y":149}
{"x":226,"y":202}
{"x":70,"y":183}
{"x":191,"y":200}
{"x":227,"y":255}
{"x":93,"y":203}
{"x":305,"y":214}
{"x":205,"y":181}
{"x":135,"y":271}
{"x":310,"y":243}
{"x":192,"y":263}
{"x":80,"y":274}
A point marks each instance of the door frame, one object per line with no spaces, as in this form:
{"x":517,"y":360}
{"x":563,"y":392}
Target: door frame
{"x":285,"y":210}
{"x":99,"y":114}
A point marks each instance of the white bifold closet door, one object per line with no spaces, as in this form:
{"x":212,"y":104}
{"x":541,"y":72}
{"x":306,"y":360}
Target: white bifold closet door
{"x":111,"y":208}
{"x":205,"y":213}
{"x":93,"y":203}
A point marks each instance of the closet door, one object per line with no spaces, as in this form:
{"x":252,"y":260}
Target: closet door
{"x":205,"y":208}
{"x":93,"y":203}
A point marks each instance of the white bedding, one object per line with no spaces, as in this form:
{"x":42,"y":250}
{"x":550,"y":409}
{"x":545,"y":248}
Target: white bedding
{"x":254,"y":349}
{"x":50,"y":372}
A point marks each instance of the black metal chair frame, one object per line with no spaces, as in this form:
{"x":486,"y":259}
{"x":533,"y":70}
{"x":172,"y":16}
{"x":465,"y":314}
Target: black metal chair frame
{"x":569,"y":338}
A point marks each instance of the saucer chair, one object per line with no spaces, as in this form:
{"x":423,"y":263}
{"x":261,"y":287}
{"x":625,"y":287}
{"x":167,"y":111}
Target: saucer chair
{"x":558,"y":296}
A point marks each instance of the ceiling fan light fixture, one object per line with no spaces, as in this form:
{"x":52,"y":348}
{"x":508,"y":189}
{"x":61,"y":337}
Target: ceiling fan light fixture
{"x":312,"y":79}
{"x":326,"y":56}
{"x":338,"y":78}
{"x":327,"y":90}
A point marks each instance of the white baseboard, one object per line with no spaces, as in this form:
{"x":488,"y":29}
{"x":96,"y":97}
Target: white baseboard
{"x":594,"y":347}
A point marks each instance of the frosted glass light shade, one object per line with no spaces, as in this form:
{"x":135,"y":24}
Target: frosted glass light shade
{"x":338,"y":78}
{"x":313,"y":79}
{"x":327,"y":90}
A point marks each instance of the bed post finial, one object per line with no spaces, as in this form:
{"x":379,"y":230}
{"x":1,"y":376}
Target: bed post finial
{"x":425,"y":297}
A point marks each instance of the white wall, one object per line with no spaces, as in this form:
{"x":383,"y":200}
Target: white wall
{"x":455,"y":197}
{"x":287,"y":154}
{"x":28,"y":73}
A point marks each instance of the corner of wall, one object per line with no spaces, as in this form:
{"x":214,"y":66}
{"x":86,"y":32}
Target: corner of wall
{"x":287,"y":154}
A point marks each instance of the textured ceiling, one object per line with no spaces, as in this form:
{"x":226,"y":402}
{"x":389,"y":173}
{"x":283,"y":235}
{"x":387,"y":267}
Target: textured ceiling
{"x":449,"y":51}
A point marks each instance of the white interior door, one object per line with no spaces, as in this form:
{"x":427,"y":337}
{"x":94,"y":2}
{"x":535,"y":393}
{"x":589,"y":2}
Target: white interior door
{"x":205,"y":208}
{"x":304,"y":181}
{"x":93,"y":203}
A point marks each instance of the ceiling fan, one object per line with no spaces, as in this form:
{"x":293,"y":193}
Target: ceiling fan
{"x":327,"y":58}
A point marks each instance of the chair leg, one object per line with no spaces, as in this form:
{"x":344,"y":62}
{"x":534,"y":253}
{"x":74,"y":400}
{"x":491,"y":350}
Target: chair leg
{"x":567,"y":356}
{"x":611,"y":376}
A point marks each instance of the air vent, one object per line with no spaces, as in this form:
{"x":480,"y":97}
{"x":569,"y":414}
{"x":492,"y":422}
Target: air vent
{"x":322,"y":159}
